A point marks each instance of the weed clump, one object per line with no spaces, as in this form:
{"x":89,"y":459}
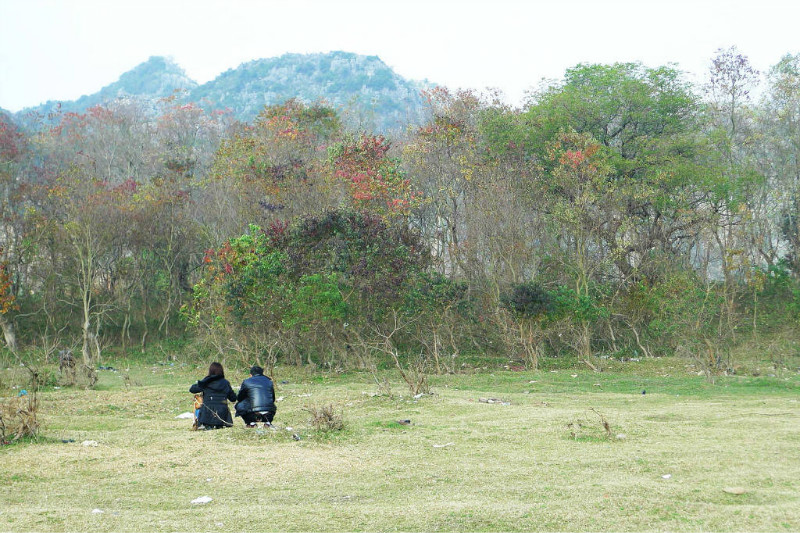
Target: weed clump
{"x":583,"y":430}
{"x":326,"y":418}
{"x":19,"y":417}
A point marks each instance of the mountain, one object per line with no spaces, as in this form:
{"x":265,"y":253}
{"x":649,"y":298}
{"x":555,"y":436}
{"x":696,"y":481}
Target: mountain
{"x":156,"y":78}
{"x":364,"y":88}
{"x":366,"y":92}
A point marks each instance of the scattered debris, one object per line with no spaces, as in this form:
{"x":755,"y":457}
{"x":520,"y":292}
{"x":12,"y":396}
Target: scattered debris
{"x":185,"y":415}
{"x":201,"y":500}
{"x":295,"y":436}
{"x":67,"y":441}
{"x":574,"y":375}
{"x":418,"y":396}
{"x":444,"y":445}
{"x":735,"y":490}
{"x":97,"y":511}
{"x":89,"y":443}
{"x":404,"y":422}
{"x":279,"y":399}
{"x":493,"y":400}
{"x":666,"y":476}
{"x":621,"y":436}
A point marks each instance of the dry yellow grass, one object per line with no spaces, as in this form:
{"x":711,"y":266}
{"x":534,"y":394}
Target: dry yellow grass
{"x":538,"y":460}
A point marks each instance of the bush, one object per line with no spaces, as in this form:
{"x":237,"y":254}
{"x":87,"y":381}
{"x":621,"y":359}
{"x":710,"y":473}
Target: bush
{"x":19,"y":417}
{"x":326,"y":418}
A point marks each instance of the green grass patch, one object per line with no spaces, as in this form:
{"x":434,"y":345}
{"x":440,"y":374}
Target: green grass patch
{"x":493,"y":450}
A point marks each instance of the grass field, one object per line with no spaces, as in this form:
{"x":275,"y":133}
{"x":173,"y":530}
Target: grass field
{"x":487,"y":451}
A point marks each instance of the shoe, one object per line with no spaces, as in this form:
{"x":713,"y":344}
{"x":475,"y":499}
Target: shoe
{"x":253,"y":425}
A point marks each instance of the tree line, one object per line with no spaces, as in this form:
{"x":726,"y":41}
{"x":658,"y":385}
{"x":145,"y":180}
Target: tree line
{"x":620,"y":211}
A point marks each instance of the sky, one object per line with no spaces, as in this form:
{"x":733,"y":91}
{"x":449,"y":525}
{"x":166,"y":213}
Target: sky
{"x":63,"y":49}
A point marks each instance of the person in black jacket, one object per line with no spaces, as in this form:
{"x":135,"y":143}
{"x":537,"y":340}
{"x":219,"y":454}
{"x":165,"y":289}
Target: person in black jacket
{"x":256,"y":398}
{"x":214,"y":412}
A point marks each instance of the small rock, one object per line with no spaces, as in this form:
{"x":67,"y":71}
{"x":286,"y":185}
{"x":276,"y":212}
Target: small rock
{"x":735,"y":490}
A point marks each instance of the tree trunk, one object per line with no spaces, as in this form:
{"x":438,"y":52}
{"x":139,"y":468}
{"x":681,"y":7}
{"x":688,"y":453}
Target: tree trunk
{"x":9,"y":334}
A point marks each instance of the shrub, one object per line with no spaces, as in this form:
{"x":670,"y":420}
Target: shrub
{"x":19,"y":417}
{"x":326,"y":418}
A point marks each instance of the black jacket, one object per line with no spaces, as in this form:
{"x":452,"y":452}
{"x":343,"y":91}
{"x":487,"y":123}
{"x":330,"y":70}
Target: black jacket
{"x":256,"y":394}
{"x":214,"y":411}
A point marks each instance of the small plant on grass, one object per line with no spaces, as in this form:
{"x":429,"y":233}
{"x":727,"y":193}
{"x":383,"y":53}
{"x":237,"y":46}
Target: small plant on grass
{"x":326,"y":418}
{"x":583,"y":430}
{"x":19,"y":417}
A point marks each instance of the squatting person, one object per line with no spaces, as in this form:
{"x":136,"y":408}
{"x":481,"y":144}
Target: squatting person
{"x":256,"y":398}
{"x":214,"y":413}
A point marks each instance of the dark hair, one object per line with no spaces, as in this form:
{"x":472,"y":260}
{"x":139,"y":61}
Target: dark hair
{"x":215,"y":369}
{"x":256,"y":370}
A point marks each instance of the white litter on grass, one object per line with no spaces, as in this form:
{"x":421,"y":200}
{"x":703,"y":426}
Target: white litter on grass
{"x":185,"y":415}
{"x":443,"y":445}
{"x":666,"y":476}
{"x":89,"y":443}
{"x":97,"y":511}
{"x":279,"y":399}
{"x":304,"y":395}
{"x":201,"y":499}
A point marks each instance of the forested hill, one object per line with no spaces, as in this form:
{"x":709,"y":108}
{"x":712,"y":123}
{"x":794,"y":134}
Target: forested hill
{"x":156,"y":78}
{"x":363,"y":89}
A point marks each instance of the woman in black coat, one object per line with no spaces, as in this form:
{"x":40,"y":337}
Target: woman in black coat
{"x":214,"y":412}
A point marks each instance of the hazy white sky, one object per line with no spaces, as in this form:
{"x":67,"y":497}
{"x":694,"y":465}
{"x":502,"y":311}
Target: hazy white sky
{"x":62,"y":49}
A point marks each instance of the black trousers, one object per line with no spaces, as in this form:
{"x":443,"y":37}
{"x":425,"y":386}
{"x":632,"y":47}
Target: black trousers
{"x":253,"y":417}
